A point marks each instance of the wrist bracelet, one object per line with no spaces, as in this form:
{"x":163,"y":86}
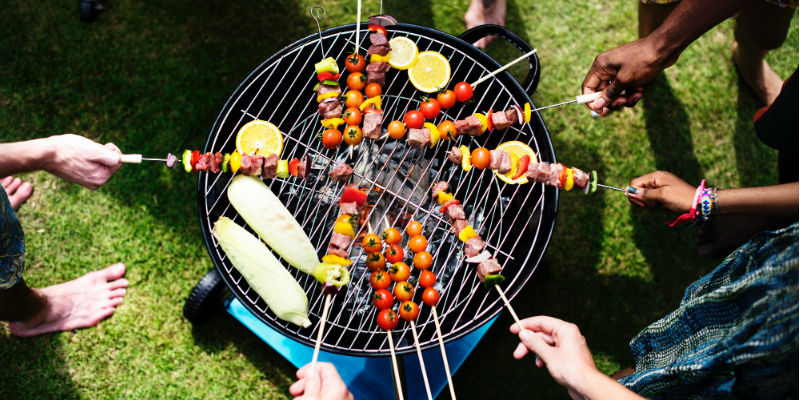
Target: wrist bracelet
{"x":690,"y":216}
{"x":705,"y":204}
{"x":714,"y":202}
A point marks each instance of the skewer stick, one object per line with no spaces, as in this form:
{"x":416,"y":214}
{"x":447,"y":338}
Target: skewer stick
{"x":386,"y":221}
{"x":394,"y":366}
{"x":503,"y":68}
{"x":444,"y":354}
{"x":510,"y":309}
{"x":369,"y":227}
{"x":358,"y":25}
{"x":421,"y":361}
{"x":321,"y":330}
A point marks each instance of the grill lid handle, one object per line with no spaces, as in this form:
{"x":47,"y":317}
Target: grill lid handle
{"x":473,"y":35}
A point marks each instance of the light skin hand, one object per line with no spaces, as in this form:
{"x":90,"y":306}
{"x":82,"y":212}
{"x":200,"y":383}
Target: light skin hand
{"x":320,"y":383}
{"x":662,"y":190}
{"x":81,"y":160}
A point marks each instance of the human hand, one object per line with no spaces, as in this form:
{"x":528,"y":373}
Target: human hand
{"x":81,"y":160}
{"x":320,"y":383}
{"x":621,"y":72}
{"x":561,"y":347}
{"x":662,"y":189}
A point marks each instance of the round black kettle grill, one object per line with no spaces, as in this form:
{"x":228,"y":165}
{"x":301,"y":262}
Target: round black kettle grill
{"x":516,"y":221}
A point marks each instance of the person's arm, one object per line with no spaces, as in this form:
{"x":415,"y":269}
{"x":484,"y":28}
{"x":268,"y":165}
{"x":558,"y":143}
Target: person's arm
{"x":561,"y":347}
{"x":631,"y":65}
{"x":664,"y":190}
{"x":71,"y":157}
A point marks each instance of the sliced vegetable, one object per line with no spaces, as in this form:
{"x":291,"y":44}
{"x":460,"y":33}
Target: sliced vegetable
{"x":195,"y":159}
{"x":282,"y":171}
{"x":522,"y":166}
{"x":372,"y":101}
{"x":485,"y":255}
{"x":465,"y":163}
{"x":467,"y":233}
{"x":594,"y":182}
{"x":350,"y":195}
{"x":570,"y":181}
{"x":334,"y":259}
{"x":377,"y":28}
{"x":445,"y":206}
{"x":494,"y":279}
{"x":326,"y":96}
{"x":327,"y":65}
{"x":444,"y":197}
{"x":435,"y":134}
{"x":226,"y":160}
{"x":520,"y":116}
{"x":331,"y":274}
{"x":484,"y":121}
{"x":263,"y":272}
{"x":236,"y":161}
{"x":526,"y":112}
{"x":344,"y":225}
{"x":186,"y":159}
{"x":326,"y":82}
{"x":489,"y":123}
{"x":379,"y":58}
{"x":562,"y":176}
{"x":328,"y":76}
{"x":293,"y":166}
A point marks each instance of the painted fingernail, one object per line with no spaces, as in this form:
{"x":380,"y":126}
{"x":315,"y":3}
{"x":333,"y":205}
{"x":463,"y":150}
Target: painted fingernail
{"x":537,"y":359}
{"x":632,"y":190}
{"x":595,"y":115}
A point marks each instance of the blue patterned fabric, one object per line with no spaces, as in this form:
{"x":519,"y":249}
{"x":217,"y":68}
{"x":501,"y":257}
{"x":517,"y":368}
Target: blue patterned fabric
{"x":12,"y":244}
{"x":735,"y":332}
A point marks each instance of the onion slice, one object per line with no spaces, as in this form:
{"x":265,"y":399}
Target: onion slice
{"x":485,"y":255}
{"x":519,"y":114}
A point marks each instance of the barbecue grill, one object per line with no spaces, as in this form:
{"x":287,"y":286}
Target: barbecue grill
{"x":516,"y":221}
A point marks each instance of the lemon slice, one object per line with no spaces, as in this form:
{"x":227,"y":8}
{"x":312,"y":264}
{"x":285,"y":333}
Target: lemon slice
{"x":516,"y":149}
{"x":404,"y":53}
{"x":430,"y":73}
{"x":259,"y":137}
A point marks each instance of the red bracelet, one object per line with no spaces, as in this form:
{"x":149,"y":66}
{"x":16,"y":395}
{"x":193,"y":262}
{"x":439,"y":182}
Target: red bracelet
{"x":690,"y":216}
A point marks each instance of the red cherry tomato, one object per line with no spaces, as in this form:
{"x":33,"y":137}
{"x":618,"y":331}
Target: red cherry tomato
{"x":376,"y":261}
{"x":372,"y":243}
{"x":480,"y":158}
{"x":423,"y":260}
{"x":373,"y":89}
{"x":396,"y":130}
{"x":353,"y":135}
{"x":430,"y":296}
{"x":353,"y":98}
{"x":355,"y":63}
{"x":427,"y":279}
{"x":352,"y":116}
{"x":392,"y":236}
{"x":414,"y":119}
{"x":331,"y":138}
{"x":387,"y":319}
{"x":380,"y":280}
{"x":414,"y":228}
{"x":399,"y":271}
{"x":448,"y":130}
{"x":446,"y":99}
{"x":430,"y":109}
{"x":463,"y":91}
{"x":403,"y":291}
{"x":356,"y":81}
{"x":382,"y":299}
{"x":394,"y":253}
{"x":409,"y":310}
{"x":418,"y":243}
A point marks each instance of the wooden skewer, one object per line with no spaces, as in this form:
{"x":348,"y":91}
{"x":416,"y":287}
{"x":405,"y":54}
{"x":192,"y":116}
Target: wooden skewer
{"x":394,"y":366}
{"x":510,"y":309}
{"x":358,"y":25}
{"x":369,"y":227}
{"x":503,"y":68}
{"x":444,"y":354}
{"x":421,"y":361}
{"x":386,"y":221}
{"x":321,"y":330}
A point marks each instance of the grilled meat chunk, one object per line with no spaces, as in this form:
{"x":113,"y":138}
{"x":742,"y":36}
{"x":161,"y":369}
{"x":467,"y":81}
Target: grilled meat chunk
{"x":488,"y":267}
{"x":470,"y":126}
{"x":512,"y":117}
{"x":350,"y":208}
{"x":419,"y":138}
{"x":325,"y":89}
{"x":505,"y":163}
{"x":216,"y":161}
{"x":378,"y":39}
{"x":376,"y":72}
{"x":372,"y":125}
{"x":379,"y":50}
{"x":579,"y":178}
{"x":474,"y":246}
{"x":270,"y":168}
{"x":538,"y":172}
{"x":500,"y":120}
{"x":202,"y":163}
{"x":553,"y":178}
{"x":454,"y":155}
{"x":245,"y":164}
{"x":458,"y":225}
{"x":455,"y":212}
{"x":440,"y":186}
{"x":256,"y":162}
{"x":330,"y":108}
{"x":339,"y":244}
{"x":341,"y":173}
{"x":302,"y":167}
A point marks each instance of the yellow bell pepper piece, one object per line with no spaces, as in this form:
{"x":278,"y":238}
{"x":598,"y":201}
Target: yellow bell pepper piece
{"x":526,"y":112}
{"x":332,"y":123}
{"x":372,"y":101}
{"x":465,"y":163}
{"x":435,"y":134}
{"x":334,"y":259}
{"x":467,"y":233}
{"x":326,"y":96}
{"x":344,"y":225}
{"x":236,"y":161}
{"x":379,"y":58}
{"x":444,"y":197}
{"x":484,"y":121}
{"x":570,"y":181}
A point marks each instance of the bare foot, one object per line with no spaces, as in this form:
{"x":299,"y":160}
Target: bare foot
{"x":760,"y":77}
{"x":17,"y":190}
{"x":79,"y":303}
{"x":485,"y":12}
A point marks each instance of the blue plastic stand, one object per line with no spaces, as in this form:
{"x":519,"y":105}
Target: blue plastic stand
{"x":361,"y":373}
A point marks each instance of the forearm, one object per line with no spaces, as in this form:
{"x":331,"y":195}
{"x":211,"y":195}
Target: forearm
{"x":766,"y":201}
{"x":30,"y":155}
{"x":597,"y":386}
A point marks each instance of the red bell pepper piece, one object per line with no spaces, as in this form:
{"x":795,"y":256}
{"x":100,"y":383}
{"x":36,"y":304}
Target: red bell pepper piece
{"x":353,"y":195}
{"x":489,"y":122}
{"x":562,"y":177}
{"x":522,"y":166}
{"x":377,"y":28}
{"x":448,"y":204}
{"x":195,"y":159}
{"x":293,"y":166}
{"x":327,"y":76}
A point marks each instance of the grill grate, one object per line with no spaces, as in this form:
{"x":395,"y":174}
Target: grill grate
{"x":515,"y":220}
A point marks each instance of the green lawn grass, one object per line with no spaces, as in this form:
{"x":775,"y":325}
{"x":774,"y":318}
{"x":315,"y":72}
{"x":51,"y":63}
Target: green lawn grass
{"x":152,"y":76}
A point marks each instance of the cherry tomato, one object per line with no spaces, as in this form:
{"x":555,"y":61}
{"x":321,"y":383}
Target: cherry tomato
{"x":352,"y":116}
{"x":394,"y":253}
{"x":382,"y":299}
{"x":355,"y":63}
{"x":353,"y":135}
{"x":380,"y":280}
{"x":414,"y":119}
{"x":373,"y":89}
{"x":418,"y":243}
{"x":463,"y":91}
{"x":430,"y":109}
{"x":480,"y":158}
{"x":396,"y":130}
{"x":423,"y":260}
{"x":353,"y":98}
{"x":430,"y":296}
{"x":387,"y":319}
{"x":331,"y":138}
{"x":414,"y":228}
{"x":356,"y":81}
{"x":403,"y":291}
{"x":392,"y":236}
{"x":376,"y":261}
{"x":427,"y":279}
{"x":447,"y":129}
{"x":399,"y":272}
{"x":372,"y":243}
{"x":409,"y":310}
{"x":446,"y":99}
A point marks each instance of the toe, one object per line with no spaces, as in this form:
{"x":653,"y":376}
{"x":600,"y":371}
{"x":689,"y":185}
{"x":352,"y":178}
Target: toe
{"x":113,"y":271}
{"x":5,"y":181}
{"x":114,"y":302}
{"x":12,"y":186}
{"x":117,"y":284}
{"x":113,"y":294}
